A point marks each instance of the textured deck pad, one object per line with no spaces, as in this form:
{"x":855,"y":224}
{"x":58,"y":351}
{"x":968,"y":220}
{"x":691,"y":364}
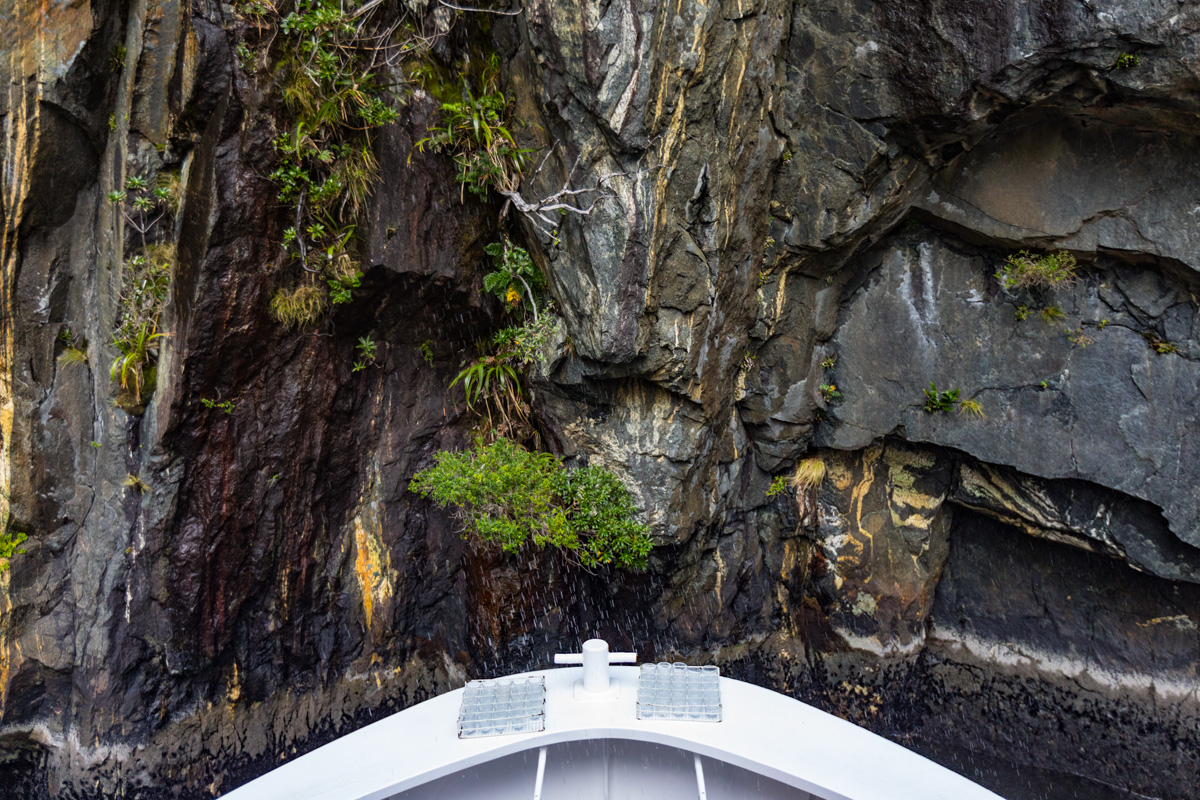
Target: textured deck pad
{"x":677,"y":691}
{"x":502,"y":707}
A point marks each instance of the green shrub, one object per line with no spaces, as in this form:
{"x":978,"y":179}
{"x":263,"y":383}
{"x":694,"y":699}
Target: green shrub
{"x":524,"y":344}
{"x":1025,"y":270}
{"x":506,"y":495}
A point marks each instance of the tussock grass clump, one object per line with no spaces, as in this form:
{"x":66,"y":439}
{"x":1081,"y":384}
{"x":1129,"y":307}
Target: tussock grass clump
{"x":972,"y":407}
{"x":72,"y":356}
{"x":1051,"y":314}
{"x":299,"y":306}
{"x":810,"y":472}
{"x":1024,"y":270}
{"x":135,"y":483}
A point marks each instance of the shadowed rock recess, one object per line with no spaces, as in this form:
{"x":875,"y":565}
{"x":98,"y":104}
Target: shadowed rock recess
{"x":807,"y":205}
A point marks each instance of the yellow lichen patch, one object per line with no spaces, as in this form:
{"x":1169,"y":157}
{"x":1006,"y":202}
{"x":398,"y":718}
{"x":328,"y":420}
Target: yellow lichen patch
{"x":372,"y":565}
{"x":235,"y":685}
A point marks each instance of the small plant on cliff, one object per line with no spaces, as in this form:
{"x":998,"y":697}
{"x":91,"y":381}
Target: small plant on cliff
{"x":1160,"y":345}
{"x":300,"y":305}
{"x":829,"y":362}
{"x":1127,"y":61}
{"x":779,"y":485}
{"x":493,"y":390}
{"x":829,"y":392}
{"x":365,"y":348}
{"x":506,"y":495}
{"x":223,"y":405}
{"x":10,"y":545}
{"x":116,"y":58}
{"x":135,"y":483}
{"x":145,"y":283}
{"x":474,"y":130}
{"x":492,"y":382}
{"x":140,"y":206}
{"x":1078,"y":338}
{"x":943,"y":402}
{"x":1024,"y":270}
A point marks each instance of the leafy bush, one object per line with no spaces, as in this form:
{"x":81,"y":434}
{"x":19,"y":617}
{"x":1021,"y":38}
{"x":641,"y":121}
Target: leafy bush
{"x":936,"y":401}
{"x":227,"y":406}
{"x":507,"y":495}
{"x":525,"y":344}
{"x":1025,"y":270}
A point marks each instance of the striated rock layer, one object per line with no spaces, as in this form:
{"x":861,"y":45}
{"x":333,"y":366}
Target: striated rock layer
{"x":805,"y":211}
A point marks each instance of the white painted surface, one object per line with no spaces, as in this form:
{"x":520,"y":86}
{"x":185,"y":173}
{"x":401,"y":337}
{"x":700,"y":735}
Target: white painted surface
{"x":764,"y":732}
{"x":607,"y":769}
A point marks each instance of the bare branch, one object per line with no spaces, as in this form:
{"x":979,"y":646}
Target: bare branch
{"x":482,"y":10}
{"x":565,"y":199}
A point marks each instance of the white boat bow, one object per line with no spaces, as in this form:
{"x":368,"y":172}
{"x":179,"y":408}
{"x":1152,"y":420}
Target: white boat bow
{"x":593,"y":744}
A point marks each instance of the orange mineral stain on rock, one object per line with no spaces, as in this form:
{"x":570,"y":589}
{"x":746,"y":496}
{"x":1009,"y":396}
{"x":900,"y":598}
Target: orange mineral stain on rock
{"x":372,"y":564}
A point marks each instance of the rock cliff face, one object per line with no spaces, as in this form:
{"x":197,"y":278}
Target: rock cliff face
{"x":805,"y":209}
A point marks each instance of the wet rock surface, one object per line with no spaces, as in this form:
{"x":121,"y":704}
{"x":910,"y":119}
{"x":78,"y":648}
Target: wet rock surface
{"x":804,"y":210}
